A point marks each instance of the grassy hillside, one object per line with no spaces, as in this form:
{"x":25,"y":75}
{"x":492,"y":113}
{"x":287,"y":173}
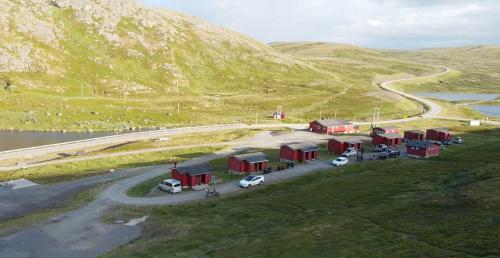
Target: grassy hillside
{"x":443,"y":207}
{"x":113,"y":65}
{"x":477,"y":68}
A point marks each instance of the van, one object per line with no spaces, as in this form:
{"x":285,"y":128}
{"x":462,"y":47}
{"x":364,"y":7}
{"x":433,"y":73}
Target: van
{"x":171,"y":186}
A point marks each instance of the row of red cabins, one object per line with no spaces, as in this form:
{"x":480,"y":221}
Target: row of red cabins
{"x":201,"y":174}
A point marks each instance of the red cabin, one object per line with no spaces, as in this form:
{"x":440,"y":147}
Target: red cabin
{"x":189,"y":176}
{"x":331,"y":126}
{"x":415,"y":135}
{"x":389,"y":139}
{"x":438,"y":134}
{"x":422,"y":149}
{"x":247,"y":163}
{"x":385,"y":130}
{"x":339,"y":146}
{"x":299,"y":152}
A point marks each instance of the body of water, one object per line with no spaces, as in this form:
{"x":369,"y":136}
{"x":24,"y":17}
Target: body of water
{"x":11,"y":140}
{"x":491,"y":111}
{"x":449,"y":96}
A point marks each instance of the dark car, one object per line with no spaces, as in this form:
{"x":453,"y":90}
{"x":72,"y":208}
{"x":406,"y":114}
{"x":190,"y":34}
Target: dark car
{"x":380,"y":148}
{"x":383,"y":156}
{"x":446,"y":142}
{"x":393,"y":153}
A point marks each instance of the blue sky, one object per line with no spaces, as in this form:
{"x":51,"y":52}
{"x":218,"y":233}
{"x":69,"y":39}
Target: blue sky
{"x":402,"y":24}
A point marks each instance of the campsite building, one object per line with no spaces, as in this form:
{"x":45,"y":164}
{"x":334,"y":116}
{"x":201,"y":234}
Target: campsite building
{"x":247,"y":163}
{"x":339,"y":146}
{"x":422,"y":149}
{"x":385,"y":130}
{"x":438,"y":134}
{"x":332,"y":126}
{"x":389,"y":139}
{"x":300,"y":152}
{"x":193,"y":175}
{"x":414,"y":135}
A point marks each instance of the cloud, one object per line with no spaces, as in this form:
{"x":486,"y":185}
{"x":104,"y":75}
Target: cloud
{"x":371,"y":23}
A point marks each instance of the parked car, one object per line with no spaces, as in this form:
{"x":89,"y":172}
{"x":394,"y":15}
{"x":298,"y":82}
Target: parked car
{"x":447,"y":142}
{"x":458,"y":140}
{"x":341,"y":161}
{"x":351,"y":152}
{"x":383,"y":156}
{"x":250,"y":181}
{"x":171,"y":186}
{"x":393,"y":153}
{"x":380,"y":148}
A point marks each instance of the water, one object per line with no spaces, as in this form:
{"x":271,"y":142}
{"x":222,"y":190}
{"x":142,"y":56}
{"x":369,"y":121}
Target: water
{"x":449,"y":96}
{"x":491,"y":111}
{"x":11,"y":140}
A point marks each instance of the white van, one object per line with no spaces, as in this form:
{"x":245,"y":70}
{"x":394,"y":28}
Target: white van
{"x":171,"y":186}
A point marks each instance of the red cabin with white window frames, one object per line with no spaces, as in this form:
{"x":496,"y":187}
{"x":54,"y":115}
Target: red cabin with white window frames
{"x":332,"y":126}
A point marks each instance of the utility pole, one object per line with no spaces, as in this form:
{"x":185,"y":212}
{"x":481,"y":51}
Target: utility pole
{"x":256,"y":117}
{"x":178,"y":108}
{"x":217,"y":102}
{"x":335,"y":114}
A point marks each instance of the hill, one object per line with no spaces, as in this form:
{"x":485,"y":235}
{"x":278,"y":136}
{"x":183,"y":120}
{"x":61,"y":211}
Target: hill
{"x":113,"y":65}
{"x":477,"y":67}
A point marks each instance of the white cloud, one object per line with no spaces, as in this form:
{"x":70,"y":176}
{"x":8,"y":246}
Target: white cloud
{"x":372,"y":23}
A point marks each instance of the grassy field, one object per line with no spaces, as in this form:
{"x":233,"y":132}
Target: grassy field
{"x":68,"y":171}
{"x":443,"y":207}
{"x":476,"y":68}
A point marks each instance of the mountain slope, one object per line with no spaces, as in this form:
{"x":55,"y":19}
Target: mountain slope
{"x":113,"y":65}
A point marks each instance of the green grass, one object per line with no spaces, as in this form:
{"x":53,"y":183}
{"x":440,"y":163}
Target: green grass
{"x":68,"y":171}
{"x":443,"y":207}
{"x":144,"y":188}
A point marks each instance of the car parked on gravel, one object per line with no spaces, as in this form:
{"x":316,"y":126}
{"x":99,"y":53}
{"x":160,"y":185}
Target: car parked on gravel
{"x":171,"y":186}
{"x":341,"y":161}
{"x":351,"y":152}
{"x":458,"y":140}
{"x":250,"y":181}
{"x":447,"y":142}
{"x":393,"y":153}
{"x":380,"y":148}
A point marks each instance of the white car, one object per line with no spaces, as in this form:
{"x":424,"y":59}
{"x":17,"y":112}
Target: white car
{"x":250,"y":181}
{"x":340,"y":162}
{"x":171,"y":186}
{"x":351,"y":152}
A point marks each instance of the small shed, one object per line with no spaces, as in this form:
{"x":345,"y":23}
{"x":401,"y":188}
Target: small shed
{"x":339,"y":146}
{"x":422,"y":149}
{"x":414,"y":135}
{"x":299,"y":152}
{"x":247,"y":163}
{"x":332,"y":126}
{"x":193,"y":175}
{"x":389,"y":139}
{"x":385,"y":130}
{"x":438,"y":134}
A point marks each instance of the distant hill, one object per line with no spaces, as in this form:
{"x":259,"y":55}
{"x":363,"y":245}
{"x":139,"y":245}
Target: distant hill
{"x":115,"y":64}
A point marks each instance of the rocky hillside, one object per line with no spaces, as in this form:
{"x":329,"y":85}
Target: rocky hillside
{"x":111,"y":46}
{"x":114,"y":64}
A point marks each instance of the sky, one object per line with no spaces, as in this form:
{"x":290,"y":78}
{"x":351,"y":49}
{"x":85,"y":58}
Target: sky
{"x":396,"y":24}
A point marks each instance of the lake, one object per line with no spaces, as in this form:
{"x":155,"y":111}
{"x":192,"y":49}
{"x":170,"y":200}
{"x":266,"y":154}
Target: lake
{"x":492,"y":111}
{"x":450,"y":96}
{"x":11,"y":140}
